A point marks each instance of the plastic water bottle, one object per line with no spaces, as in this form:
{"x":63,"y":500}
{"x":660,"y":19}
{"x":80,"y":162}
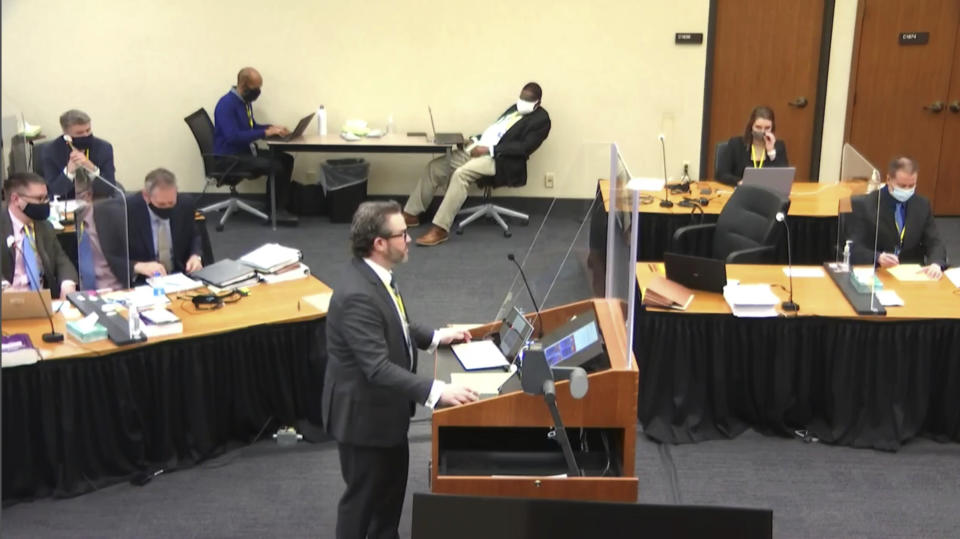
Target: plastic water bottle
{"x":846,"y":256}
{"x":133,"y":320}
{"x":321,"y":120}
{"x":157,"y":285}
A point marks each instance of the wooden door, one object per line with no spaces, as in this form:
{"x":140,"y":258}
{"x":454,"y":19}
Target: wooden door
{"x":947,"y":195}
{"x":765,"y":52}
{"x":896,"y":87}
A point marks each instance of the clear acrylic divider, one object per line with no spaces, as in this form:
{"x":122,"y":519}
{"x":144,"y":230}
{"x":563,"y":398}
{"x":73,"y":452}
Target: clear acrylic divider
{"x":858,"y":173}
{"x":100,"y":220}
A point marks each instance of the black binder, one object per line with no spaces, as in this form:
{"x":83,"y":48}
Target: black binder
{"x":224,"y":273}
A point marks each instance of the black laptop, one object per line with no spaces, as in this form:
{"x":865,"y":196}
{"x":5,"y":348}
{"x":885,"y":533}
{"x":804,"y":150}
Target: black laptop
{"x":297,"y":132}
{"x":696,"y":272}
{"x":447,"y":139}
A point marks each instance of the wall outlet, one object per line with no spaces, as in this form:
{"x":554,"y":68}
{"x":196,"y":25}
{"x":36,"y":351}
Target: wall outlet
{"x":548,"y":179}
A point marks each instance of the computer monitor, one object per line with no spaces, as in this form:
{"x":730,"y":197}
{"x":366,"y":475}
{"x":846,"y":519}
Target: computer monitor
{"x":514,"y":333}
{"x":578,"y":343}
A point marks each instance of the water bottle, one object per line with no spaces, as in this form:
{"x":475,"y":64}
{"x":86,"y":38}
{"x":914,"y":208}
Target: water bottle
{"x":133,"y":320}
{"x":391,"y":128}
{"x":846,"y":256}
{"x":321,"y":121}
{"x":157,"y":285}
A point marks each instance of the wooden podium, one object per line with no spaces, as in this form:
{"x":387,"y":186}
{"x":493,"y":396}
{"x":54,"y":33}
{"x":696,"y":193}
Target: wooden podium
{"x":484,"y":448}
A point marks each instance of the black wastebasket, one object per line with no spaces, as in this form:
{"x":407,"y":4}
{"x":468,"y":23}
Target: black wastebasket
{"x":344,"y":184}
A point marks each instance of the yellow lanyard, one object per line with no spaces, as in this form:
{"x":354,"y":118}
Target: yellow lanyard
{"x":31,"y":236}
{"x":249,"y":115}
{"x":753,"y":157}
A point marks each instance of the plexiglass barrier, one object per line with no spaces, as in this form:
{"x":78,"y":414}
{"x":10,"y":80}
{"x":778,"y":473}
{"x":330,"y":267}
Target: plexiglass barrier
{"x":99,"y":216}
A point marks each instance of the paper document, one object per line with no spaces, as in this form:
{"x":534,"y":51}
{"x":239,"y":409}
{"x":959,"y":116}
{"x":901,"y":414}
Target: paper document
{"x":751,"y":300}
{"x":889,"y":298}
{"x":815,"y":271}
{"x":319,"y":301}
{"x":174,"y":283}
{"x":270,"y":257}
{"x":484,"y":383}
{"x":481,"y":354}
{"x":954,"y":275}
{"x":909,"y":272}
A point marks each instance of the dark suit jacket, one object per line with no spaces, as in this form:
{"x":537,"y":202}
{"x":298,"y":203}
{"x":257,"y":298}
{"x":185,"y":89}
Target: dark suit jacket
{"x":54,"y":156}
{"x":522,"y":139}
{"x":56,"y":265}
{"x":183,"y":229}
{"x":921,"y":241}
{"x":736,"y":157}
{"x":369,"y":389}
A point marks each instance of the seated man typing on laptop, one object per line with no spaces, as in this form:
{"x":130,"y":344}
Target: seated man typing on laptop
{"x":235,"y":131}
{"x":502,"y":149}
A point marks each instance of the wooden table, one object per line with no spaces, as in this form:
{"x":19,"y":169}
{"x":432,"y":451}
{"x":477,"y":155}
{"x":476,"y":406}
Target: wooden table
{"x":873,"y":381}
{"x":90,"y":415}
{"x":390,"y":143}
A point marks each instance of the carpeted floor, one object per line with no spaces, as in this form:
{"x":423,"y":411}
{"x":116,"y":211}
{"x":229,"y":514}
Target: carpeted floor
{"x":269,"y":490}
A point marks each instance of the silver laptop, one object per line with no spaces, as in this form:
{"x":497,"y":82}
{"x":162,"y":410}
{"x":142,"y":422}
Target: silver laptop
{"x":443,"y":138}
{"x":21,"y":304}
{"x":777,"y":179}
{"x":297,"y":132}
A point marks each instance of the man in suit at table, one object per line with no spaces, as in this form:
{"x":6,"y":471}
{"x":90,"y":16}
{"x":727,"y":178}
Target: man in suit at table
{"x":60,"y":160}
{"x":907,"y":231}
{"x":371,"y":385}
{"x":102,"y":257}
{"x":162,"y":230}
{"x":501,"y":151}
{"x":30,"y":255}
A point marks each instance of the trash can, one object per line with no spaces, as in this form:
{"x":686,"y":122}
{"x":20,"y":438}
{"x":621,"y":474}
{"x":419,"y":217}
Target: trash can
{"x":344,"y":184}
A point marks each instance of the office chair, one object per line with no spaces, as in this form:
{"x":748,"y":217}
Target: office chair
{"x":220,"y":170}
{"x":721,"y":147}
{"x":488,"y":209}
{"x":746,"y":231}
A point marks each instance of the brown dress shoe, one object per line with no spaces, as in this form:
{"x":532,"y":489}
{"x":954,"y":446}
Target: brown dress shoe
{"x":410,"y":220}
{"x":434,"y":236}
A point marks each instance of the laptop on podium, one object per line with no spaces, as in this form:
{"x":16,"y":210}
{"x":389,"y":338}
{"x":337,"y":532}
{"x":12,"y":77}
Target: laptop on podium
{"x":777,"y":179}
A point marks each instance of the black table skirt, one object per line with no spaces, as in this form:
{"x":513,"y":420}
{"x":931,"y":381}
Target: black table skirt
{"x":76,"y":425}
{"x":849,"y":382}
{"x":814,"y":238}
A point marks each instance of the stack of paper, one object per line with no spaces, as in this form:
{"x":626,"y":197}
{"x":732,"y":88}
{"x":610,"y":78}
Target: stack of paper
{"x":909,"y":272}
{"x":142,"y":297}
{"x":18,"y":350}
{"x":751,"y":300}
{"x":271,"y":257}
{"x":954,"y":275}
{"x":174,"y":283}
{"x":157,"y":322}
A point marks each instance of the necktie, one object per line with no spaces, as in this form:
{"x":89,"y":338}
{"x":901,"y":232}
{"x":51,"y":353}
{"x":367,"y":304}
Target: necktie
{"x":163,"y":246}
{"x":395,"y":292}
{"x":899,"y":215}
{"x":88,"y":277}
{"x":30,"y":257}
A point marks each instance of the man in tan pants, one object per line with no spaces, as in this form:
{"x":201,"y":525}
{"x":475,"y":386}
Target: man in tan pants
{"x":501,"y":151}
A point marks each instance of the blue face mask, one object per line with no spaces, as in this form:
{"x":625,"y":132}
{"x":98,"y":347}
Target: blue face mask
{"x":901,"y":194}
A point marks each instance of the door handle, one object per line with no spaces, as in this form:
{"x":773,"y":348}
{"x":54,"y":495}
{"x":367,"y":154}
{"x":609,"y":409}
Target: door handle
{"x":955,"y":106}
{"x":934,"y":107}
{"x":799,"y":102}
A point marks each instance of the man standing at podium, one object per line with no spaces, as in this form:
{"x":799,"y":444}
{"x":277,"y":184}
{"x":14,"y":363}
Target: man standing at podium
{"x":371,"y":386}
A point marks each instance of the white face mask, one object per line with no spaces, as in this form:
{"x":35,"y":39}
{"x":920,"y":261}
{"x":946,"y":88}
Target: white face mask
{"x":901,"y":194}
{"x":525,"y":107}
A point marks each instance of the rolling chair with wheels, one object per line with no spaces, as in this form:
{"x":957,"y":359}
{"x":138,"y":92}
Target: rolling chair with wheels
{"x":746,"y":231}
{"x":489,"y":209}
{"x":220,"y":170}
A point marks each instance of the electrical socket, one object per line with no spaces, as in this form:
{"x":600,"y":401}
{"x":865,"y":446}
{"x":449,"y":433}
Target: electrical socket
{"x":548,"y":179}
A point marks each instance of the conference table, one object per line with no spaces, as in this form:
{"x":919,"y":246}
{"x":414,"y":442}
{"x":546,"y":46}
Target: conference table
{"x":812,"y":217}
{"x":91,"y":414}
{"x":824,"y":373}
{"x":388,"y":143}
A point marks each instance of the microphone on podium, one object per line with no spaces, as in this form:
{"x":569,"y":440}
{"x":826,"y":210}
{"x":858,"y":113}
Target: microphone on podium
{"x":513,"y":259}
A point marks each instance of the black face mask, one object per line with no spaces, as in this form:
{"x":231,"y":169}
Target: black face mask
{"x":83,"y":143}
{"x":37,"y":212}
{"x":251,"y":94}
{"x":163,"y":213}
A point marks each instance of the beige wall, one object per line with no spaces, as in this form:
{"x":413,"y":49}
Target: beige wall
{"x":609,"y":69}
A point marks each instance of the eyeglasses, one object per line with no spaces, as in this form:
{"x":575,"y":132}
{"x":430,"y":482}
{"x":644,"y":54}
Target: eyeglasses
{"x":39,"y":200}
{"x":402,"y":234}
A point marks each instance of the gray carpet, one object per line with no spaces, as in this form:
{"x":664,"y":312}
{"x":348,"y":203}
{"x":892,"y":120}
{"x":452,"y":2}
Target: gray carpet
{"x":268,"y":490}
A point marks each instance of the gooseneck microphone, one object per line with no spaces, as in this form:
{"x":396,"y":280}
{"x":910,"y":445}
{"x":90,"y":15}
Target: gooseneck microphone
{"x":513,"y":259}
{"x":54,"y":335}
{"x":876,"y":237}
{"x":665,"y":203}
{"x":788,"y":305}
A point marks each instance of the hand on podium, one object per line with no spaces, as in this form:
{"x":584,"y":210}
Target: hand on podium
{"x":453,"y":395}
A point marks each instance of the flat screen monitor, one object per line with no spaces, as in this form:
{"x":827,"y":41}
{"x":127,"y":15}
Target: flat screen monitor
{"x":514,"y":333}
{"x":577,"y":343}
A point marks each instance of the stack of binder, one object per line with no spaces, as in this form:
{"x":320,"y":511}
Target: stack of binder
{"x":664,"y":293}
{"x":227,"y":273}
{"x":276,"y":263}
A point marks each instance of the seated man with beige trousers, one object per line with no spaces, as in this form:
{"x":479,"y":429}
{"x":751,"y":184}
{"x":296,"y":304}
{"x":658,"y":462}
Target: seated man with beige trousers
{"x":501,"y":151}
